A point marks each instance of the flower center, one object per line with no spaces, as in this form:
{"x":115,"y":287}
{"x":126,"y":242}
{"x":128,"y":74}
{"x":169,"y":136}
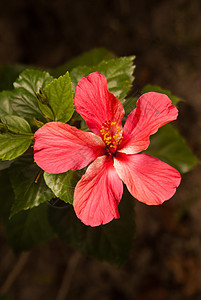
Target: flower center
{"x":111,"y":134}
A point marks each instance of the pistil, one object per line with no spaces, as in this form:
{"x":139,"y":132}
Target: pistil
{"x":111,"y":134}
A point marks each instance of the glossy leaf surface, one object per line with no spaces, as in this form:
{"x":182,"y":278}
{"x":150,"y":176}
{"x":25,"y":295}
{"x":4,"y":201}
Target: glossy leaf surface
{"x":89,"y":58}
{"x":111,"y":242}
{"x":13,"y":145}
{"x":169,"y":146}
{"x":63,"y":184}
{"x":26,"y":229}
{"x":28,"y":184}
{"x":119,"y":74}
{"x":155,"y":88}
{"x":60,"y":98}
{"x":24,"y":100}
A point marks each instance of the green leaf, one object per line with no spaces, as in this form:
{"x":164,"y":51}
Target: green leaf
{"x":5,"y":164}
{"x":24,"y":100}
{"x":44,"y":106}
{"x":25,"y":105}
{"x":5,"y":104}
{"x":129,"y":105}
{"x":169,"y":146}
{"x":29,"y":228}
{"x":111,"y":242}
{"x":89,"y":58}
{"x":26,"y":229}
{"x":60,"y":97}
{"x":119,"y":74}
{"x":33,"y":80}
{"x":16,"y":124}
{"x":13,"y":145}
{"x":155,"y":88}
{"x":28,"y":185}
{"x":63,"y":184}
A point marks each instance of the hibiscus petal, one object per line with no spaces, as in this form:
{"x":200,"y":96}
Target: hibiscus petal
{"x":60,"y":147}
{"x":98,"y":193}
{"x":153,"y":111}
{"x":95,"y":103}
{"x":147,"y":178}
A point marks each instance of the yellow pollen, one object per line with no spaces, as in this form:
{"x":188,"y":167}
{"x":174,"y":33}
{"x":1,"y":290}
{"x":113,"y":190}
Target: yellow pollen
{"x":111,"y":134}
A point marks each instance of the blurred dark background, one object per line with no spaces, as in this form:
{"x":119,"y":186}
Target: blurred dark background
{"x":165,"y":263}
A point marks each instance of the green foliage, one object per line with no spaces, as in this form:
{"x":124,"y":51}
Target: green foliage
{"x":130,"y":102}
{"x":169,"y":146}
{"x":44,"y":106}
{"x":5,"y":164}
{"x":119,"y":74}
{"x":129,"y":105}
{"x":62,"y":184}
{"x":27,"y":229}
{"x":5,"y":105}
{"x":18,"y":138}
{"x":13,"y":145}
{"x":60,"y":99}
{"x":33,"y":80}
{"x":28,"y":195}
{"x":89,"y":58}
{"x":155,"y":88}
{"x":24,"y":100}
{"x":111,"y":242}
{"x":16,"y":124}
{"x":28,"y":184}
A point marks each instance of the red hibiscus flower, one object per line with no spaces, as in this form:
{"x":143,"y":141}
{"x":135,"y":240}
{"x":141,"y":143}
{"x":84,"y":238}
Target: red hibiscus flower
{"x":114,"y":149}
